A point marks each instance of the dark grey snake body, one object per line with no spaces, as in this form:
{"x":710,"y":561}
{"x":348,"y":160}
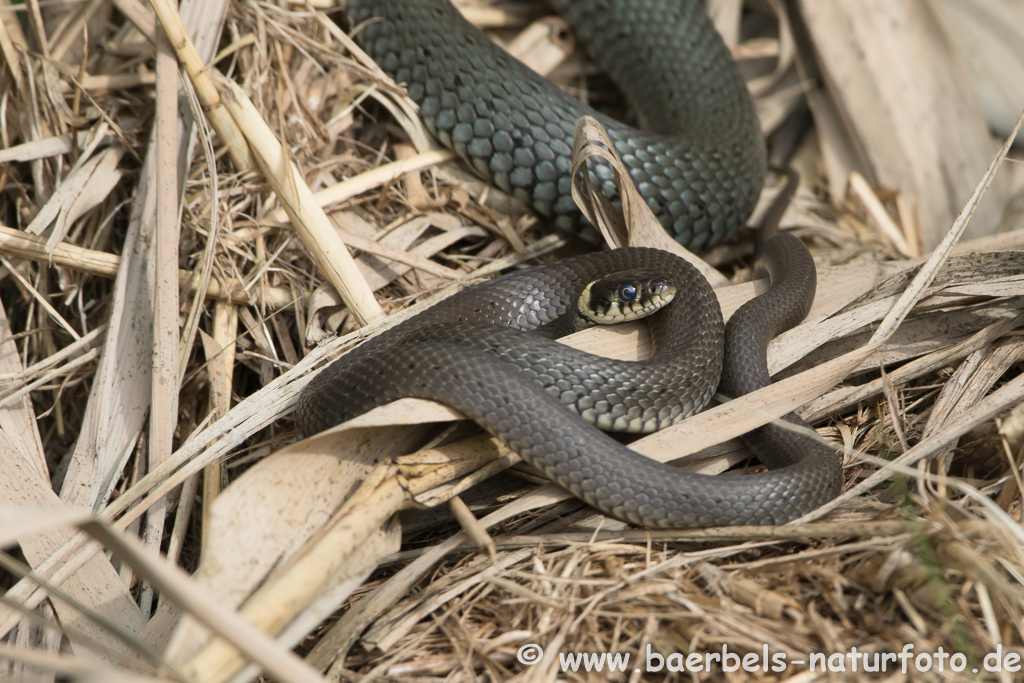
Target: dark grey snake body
{"x":449,"y":353}
{"x":700,"y":170}
{"x":702,"y":185}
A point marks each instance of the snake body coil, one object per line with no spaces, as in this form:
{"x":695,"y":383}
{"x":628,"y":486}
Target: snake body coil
{"x":702,"y":168}
{"x":701,"y":177}
{"x":471,"y":352}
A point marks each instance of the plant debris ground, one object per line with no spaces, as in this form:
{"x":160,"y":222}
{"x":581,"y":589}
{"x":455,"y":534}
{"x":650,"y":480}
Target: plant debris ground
{"x":154,"y":336}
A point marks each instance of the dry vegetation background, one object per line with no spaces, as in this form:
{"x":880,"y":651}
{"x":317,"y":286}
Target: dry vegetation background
{"x":154,"y":335}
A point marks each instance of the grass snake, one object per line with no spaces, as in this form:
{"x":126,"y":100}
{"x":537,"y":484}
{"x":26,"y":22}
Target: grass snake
{"x":486,"y":351}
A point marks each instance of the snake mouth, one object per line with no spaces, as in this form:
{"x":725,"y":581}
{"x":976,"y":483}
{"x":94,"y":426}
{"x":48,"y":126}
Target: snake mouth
{"x":622,"y":297}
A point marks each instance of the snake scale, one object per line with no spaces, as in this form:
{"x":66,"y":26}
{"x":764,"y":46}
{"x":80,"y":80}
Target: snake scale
{"x":483,"y":351}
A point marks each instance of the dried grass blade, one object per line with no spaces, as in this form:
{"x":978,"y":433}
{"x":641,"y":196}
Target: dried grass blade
{"x":372,"y":179}
{"x":931,"y":267}
{"x":987,"y":34}
{"x":314,"y":228}
{"x":636,"y":225}
{"x":163,"y":415}
{"x":11,"y":54}
{"x":95,"y":584}
{"x":206,"y":90}
{"x":18,"y":522}
{"x":16,"y":243}
{"x":341,"y":547}
{"x":117,"y":403}
{"x":36,"y":149}
{"x":17,"y":415}
{"x":387,"y":633}
{"x":201,"y":290}
{"x":87,"y":185}
{"x":1003,"y":398}
{"x":75,"y":668}
{"x":192,"y":597}
{"x":41,"y":300}
{"x":139,"y":16}
{"x":845,"y":397}
{"x":275,"y":515}
{"x":970,"y":382}
{"x":905,"y":101}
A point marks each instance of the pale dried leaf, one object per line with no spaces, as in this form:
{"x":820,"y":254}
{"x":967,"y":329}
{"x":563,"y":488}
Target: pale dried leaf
{"x":907,"y":106}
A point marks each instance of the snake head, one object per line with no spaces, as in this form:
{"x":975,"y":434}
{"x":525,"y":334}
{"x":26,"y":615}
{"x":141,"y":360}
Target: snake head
{"x":625,"y":296}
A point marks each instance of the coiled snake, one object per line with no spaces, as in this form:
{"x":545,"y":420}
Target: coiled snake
{"x":701,"y":173}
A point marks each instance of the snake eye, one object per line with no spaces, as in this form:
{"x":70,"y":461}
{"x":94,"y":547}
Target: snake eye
{"x":626,"y":293}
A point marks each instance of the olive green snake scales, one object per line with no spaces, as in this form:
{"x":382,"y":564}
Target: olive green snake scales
{"x":701,"y":171}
